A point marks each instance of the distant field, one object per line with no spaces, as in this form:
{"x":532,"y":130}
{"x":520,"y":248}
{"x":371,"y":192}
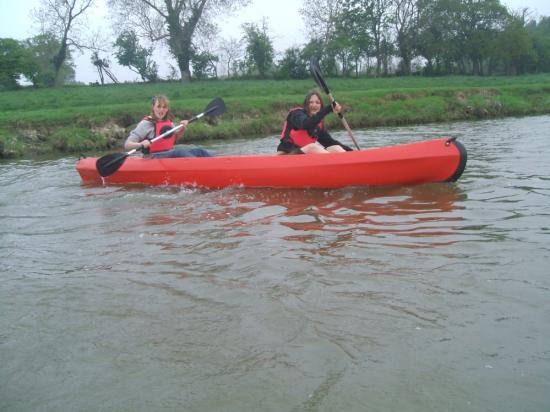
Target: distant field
{"x":80,"y":118}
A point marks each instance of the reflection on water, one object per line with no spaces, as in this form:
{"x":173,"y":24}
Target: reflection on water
{"x":418,"y":216}
{"x":422,"y":298}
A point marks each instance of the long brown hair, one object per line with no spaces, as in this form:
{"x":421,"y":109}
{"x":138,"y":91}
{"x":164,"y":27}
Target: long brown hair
{"x":313,"y":92}
{"x":161,"y":99}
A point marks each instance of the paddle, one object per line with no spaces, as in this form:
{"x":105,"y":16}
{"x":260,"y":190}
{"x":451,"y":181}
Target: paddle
{"x":109,"y":164}
{"x":318,"y":76}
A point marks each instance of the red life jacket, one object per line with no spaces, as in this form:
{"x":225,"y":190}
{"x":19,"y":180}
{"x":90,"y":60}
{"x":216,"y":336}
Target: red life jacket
{"x":301,"y":137}
{"x":166,"y":143}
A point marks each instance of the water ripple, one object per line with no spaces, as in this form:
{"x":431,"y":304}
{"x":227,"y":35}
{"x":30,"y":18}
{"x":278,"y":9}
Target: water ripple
{"x":114,"y":296}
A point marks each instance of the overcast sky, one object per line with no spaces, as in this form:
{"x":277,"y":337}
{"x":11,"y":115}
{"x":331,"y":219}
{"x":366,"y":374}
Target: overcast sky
{"x":286,"y":27}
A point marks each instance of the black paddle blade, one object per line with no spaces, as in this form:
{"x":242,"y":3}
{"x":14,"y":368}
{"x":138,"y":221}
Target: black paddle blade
{"x":215,"y":108}
{"x":317,"y":75}
{"x":109,"y":164}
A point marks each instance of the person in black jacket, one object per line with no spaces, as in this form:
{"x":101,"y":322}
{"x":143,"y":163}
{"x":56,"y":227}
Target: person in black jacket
{"x":304,"y":130}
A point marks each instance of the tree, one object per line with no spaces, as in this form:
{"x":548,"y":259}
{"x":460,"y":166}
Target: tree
{"x":102,"y":66}
{"x":437,"y":41}
{"x":479,"y":22}
{"x":378,"y":27}
{"x":63,"y":19}
{"x":367,"y":21}
{"x":540,"y":33}
{"x":313,"y":48}
{"x":231,"y":52}
{"x":13,"y":63}
{"x":405,"y":20}
{"x":129,"y":53}
{"x":514,"y":45}
{"x":259,"y":49}
{"x":346,"y":46}
{"x":42,"y":72}
{"x":204,"y":65}
{"x":293,"y":65}
{"x":355,"y":24}
{"x":174,"y":22}
{"x":321,"y":15}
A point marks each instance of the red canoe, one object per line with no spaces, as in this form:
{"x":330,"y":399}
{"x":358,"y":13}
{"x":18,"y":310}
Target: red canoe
{"x":438,"y":160}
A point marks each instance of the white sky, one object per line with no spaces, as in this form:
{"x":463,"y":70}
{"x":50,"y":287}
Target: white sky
{"x":286,"y":27}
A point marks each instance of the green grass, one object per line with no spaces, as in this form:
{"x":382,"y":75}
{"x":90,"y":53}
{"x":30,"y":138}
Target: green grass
{"x":69,"y":119}
{"x":10,"y":145}
{"x":76,"y":139}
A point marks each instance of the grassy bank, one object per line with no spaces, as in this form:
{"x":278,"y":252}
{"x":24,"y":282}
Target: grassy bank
{"x":81,"y":119}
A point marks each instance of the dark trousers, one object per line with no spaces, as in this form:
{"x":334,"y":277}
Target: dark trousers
{"x":181,"y":153}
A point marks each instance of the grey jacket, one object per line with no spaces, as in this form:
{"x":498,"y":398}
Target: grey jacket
{"x":144,"y":130}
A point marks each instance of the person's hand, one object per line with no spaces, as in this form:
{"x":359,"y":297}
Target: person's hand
{"x":336,"y":108}
{"x":183,"y":125}
{"x":145,"y":144}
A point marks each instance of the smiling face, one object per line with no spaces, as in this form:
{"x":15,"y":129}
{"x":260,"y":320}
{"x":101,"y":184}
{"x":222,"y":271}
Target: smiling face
{"x":160,"y":107}
{"x":313,"y":103}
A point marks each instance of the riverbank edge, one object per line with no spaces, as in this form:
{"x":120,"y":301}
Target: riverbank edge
{"x":363,"y":110}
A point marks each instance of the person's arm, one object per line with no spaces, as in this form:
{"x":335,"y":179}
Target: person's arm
{"x":301,"y":121}
{"x":138,"y":138}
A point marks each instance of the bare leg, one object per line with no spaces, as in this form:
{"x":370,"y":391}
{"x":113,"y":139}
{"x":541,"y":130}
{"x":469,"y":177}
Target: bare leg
{"x":314,"y":148}
{"x":335,"y":148}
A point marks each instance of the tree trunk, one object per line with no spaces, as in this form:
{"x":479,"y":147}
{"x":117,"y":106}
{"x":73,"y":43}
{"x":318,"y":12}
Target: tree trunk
{"x":58,"y":60}
{"x":475,"y":66}
{"x":185,"y":71}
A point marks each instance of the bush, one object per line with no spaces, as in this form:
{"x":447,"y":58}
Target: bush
{"x":10,"y":146}
{"x":74,"y":139}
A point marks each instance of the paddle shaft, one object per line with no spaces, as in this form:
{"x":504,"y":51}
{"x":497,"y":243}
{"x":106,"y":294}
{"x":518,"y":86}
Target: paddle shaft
{"x":316,"y":72}
{"x":109,"y":164}
{"x":161,"y":136}
{"x":175,"y":129}
{"x":344,"y":122}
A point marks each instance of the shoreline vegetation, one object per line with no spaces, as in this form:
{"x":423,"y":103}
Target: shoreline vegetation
{"x":94,"y":119}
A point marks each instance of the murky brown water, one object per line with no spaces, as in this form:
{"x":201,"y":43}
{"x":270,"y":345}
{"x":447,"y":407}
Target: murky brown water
{"x":426,"y":298}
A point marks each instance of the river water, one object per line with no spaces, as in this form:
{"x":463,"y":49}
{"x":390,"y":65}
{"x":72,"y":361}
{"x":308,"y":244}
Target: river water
{"x":426,"y":298}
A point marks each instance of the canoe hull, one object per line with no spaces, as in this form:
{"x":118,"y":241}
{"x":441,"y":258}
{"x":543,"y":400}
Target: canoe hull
{"x":438,"y":160}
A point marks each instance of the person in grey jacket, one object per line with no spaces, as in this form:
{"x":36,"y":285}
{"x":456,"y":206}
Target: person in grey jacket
{"x":158,"y":122}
